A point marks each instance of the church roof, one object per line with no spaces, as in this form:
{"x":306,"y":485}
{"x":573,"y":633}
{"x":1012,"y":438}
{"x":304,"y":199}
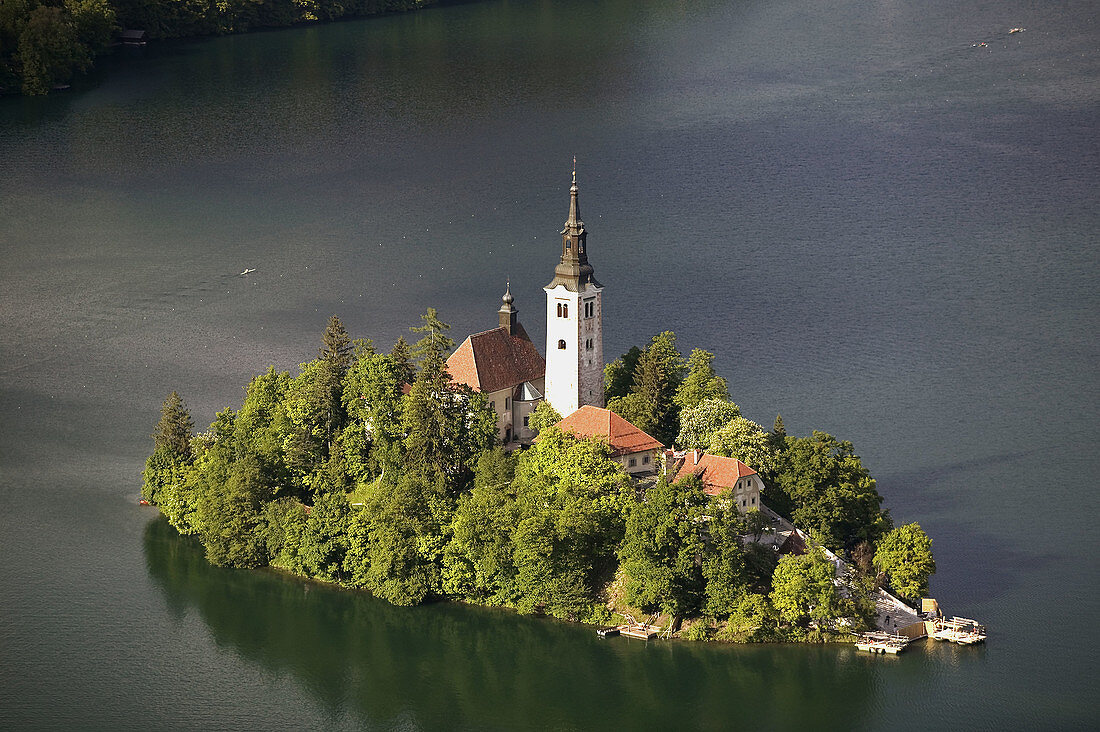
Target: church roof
{"x":716,"y":473}
{"x":621,"y":436}
{"x":495,"y":360}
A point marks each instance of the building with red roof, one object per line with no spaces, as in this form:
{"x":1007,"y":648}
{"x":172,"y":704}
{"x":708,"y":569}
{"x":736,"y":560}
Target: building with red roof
{"x":503,"y":364}
{"x":632,"y":447}
{"x":718,"y":474}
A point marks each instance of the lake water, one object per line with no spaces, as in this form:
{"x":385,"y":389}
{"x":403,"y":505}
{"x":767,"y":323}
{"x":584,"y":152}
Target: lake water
{"x":881,"y":228}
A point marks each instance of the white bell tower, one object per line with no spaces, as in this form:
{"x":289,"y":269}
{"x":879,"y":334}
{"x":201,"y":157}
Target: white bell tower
{"x":574,"y":321}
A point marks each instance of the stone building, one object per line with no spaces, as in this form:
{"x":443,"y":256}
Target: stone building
{"x":503,"y":364}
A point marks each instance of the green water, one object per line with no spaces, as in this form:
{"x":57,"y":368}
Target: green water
{"x":881,"y":230}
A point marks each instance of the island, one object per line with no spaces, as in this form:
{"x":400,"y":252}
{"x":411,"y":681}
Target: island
{"x":632,"y":494}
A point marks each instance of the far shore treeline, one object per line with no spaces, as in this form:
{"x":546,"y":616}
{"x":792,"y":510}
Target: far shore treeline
{"x":45,"y":43}
{"x":372,"y":470}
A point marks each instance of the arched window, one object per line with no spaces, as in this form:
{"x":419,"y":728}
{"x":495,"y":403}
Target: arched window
{"x":561,"y":345}
{"x":559,"y":309}
{"x":565,"y":311}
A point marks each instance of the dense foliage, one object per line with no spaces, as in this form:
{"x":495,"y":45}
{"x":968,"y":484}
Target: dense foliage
{"x":905,"y":556}
{"x":374,"y":470}
{"x":44,"y":43}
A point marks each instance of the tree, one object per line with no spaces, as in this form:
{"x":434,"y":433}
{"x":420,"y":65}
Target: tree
{"x":49,"y":50}
{"x":395,"y":540}
{"x":262,"y":427}
{"x":661,"y":550}
{"x":480,"y":562}
{"x":337,"y":348}
{"x":173,"y":431}
{"x":165,"y":469}
{"x":905,"y":555}
{"x":745,"y":440}
{"x":699,"y":423}
{"x":402,"y":356}
{"x":619,"y":374}
{"x":724,"y":568}
{"x":778,"y":429}
{"x":657,"y":377}
{"x":701,"y":383}
{"x":435,"y":340}
{"x":229,"y":513}
{"x":373,"y":400}
{"x":822,"y":485}
{"x":544,"y":416}
{"x":803,"y":589}
{"x":571,"y":498}
{"x":324,"y":539}
{"x":657,"y":374}
{"x":93,"y":21}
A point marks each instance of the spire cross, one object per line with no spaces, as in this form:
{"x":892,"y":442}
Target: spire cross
{"x":574,"y":170}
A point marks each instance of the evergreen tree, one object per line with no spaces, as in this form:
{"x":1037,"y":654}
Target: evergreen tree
{"x":337,"y":349}
{"x":619,"y":374}
{"x":650,"y":404}
{"x":425,"y":420}
{"x":402,"y":357}
{"x":435,"y":340}
{"x":173,"y":431}
{"x":778,"y":429}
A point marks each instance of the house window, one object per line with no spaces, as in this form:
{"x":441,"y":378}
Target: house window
{"x":561,"y":345}
{"x":565,"y":310}
{"x":507,"y":403}
{"x":633,"y":462}
{"x":754,"y":500}
{"x":559,"y":309}
{"x":526,"y":419}
{"x":493,"y":406}
{"x":742,"y":503}
{"x":645,"y":460}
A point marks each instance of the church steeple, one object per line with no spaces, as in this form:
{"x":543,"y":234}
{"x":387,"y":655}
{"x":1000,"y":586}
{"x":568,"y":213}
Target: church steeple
{"x":573,"y":270}
{"x":508,"y":313}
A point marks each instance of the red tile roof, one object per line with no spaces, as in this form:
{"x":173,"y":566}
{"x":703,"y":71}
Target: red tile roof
{"x":623,"y":437}
{"x":717,"y":473}
{"x":496,"y":360}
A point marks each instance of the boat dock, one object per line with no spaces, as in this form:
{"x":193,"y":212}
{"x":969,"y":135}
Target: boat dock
{"x":876,"y":642}
{"x":641,"y":631}
{"x":963,"y":631}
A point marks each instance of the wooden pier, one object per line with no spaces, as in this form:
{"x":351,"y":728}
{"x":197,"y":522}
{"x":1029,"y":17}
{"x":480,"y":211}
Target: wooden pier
{"x":641,"y":631}
{"x":876,"y":642}
{"x":963,"y":631}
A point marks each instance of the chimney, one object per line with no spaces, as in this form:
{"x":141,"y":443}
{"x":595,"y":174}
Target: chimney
{"x":695,"y":457}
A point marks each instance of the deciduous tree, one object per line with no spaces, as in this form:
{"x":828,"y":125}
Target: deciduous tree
{"x":699,"y":423}
{"x":746,"y":441}
{"x":701,"y":383}
{"x":905,"y":555}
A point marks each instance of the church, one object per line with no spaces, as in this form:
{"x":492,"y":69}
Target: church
{"x":505,"y":365}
